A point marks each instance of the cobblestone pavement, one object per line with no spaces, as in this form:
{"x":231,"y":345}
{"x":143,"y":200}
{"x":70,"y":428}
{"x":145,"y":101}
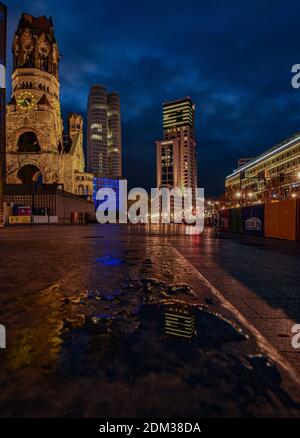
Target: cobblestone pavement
{"x":86,"y":311}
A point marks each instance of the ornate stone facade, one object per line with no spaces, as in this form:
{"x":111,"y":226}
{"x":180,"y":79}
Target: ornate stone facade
{"x":37,"y":149}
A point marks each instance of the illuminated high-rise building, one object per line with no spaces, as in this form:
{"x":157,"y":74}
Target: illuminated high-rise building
{"x":114,"y":135}
{"x":97,"y":127}
{"x":176,"y":154}
{"x":104,"y":147}
{"x":274,"y":174}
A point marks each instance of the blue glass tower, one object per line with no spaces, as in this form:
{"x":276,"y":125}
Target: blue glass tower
{"x":106,"y":183}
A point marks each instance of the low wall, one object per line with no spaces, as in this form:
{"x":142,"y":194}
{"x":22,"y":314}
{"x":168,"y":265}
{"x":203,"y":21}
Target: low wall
{"x":248,"y":220}
{"x":235,"y":220}
{"x":254,"y":219}
{"x":60,"y":204}
{"x":279,"y":220}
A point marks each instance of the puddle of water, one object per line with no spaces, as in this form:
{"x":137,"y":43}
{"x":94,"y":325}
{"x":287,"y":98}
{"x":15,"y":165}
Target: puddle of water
{"x":140,"y":339}
{"x":110,"y":261}
{"x":154,"y":344}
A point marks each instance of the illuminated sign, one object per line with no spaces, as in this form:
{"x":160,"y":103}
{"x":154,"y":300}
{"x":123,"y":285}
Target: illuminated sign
{"x":16,"y":220}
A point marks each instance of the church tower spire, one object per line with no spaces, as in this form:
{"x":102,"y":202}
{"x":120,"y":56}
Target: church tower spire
{"x":35,"y":46}
{"x":36,"y":150}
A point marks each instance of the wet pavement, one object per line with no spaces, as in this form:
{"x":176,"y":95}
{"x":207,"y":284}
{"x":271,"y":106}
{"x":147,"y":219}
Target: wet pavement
{"x":260,"y":278}
{"x":124,"y":321}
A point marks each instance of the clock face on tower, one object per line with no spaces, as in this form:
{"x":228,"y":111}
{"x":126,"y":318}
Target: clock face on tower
{"x":25,"y":100}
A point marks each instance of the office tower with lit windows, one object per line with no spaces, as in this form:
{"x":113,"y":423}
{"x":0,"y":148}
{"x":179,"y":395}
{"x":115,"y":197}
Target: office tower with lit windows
{"x":274,"y":174}
{"x":114,"y":135}
{"x":3,"y":25}
{"x":176,"y":154}
{"x":104,"y":148}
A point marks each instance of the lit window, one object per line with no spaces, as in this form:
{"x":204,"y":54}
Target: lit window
{"x":96,"y":127}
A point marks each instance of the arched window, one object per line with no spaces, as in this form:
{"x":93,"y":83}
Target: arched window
{"x":28,"y":142}
{"x":30,"y":174}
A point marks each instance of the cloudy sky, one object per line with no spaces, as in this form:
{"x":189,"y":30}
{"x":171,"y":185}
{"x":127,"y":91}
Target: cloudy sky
{"x":232,"y":57}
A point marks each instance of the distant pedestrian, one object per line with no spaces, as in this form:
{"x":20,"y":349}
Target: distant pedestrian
{"x":216,"y":224}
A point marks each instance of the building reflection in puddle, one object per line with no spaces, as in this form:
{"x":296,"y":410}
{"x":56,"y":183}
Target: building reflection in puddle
{"x":180,"y":321}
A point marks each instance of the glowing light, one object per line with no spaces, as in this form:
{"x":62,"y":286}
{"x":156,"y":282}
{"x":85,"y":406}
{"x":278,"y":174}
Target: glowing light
{"x":96,"y":126}
{"x":96,"y":137}
{"x":109,"y":261}
{"x":25,"y":100}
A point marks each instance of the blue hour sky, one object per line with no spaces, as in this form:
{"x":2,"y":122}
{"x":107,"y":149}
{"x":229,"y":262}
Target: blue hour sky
{"x":232,"y":57}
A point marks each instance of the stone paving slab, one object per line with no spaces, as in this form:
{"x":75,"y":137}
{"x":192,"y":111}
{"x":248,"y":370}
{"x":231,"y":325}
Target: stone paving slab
{"x":84,"y":308}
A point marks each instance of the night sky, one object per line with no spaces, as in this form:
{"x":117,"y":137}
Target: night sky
{"x":233,"y":58}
